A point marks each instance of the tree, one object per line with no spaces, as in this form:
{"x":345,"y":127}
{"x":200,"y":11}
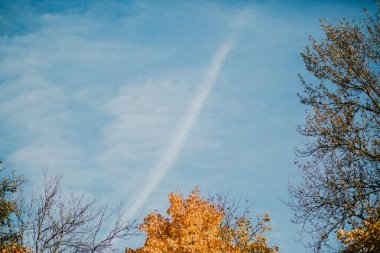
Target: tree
{"x":10,"y":236}
{"x":198,"y":225}
{"x":53,"y":222}
{"x":340,"y":161}
{"x":9,"y":186}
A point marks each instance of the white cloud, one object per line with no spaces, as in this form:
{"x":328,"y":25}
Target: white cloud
{"x":144,"y":116}
{"x":54,"y":83}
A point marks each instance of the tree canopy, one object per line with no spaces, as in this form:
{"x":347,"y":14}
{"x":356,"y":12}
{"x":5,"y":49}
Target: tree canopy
{"x":198,"y":225}
{"x":341,"y":171}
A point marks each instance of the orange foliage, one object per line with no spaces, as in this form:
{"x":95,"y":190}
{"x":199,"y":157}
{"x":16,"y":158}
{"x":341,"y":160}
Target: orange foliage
{"x":365,"y":238}
{"x":196,"y":225}
{"x":15,"y":248}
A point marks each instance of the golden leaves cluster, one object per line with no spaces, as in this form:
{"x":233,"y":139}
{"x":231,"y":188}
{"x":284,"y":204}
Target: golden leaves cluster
{"x":15,"y":248}
{"x":365,"y":238}
{"x":196,"y":225}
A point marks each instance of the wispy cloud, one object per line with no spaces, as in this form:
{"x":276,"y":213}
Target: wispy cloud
{"x":143,"y":117}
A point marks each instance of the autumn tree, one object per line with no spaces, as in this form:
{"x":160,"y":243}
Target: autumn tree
{"x":198,"y":225}
{"x":10,"y":236}
{"x":10,"y":185}
{"x":340,"y":160}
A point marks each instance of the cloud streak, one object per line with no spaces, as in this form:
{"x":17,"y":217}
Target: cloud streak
{"x":170,"y":155}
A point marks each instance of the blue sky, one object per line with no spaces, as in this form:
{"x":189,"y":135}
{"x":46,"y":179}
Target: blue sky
{"x":99,"y":90}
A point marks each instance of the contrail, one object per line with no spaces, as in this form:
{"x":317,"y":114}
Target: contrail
{"x":171,"y":153}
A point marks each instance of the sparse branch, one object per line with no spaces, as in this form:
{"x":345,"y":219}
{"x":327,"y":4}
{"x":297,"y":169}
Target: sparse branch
{"x":72,"y":223}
